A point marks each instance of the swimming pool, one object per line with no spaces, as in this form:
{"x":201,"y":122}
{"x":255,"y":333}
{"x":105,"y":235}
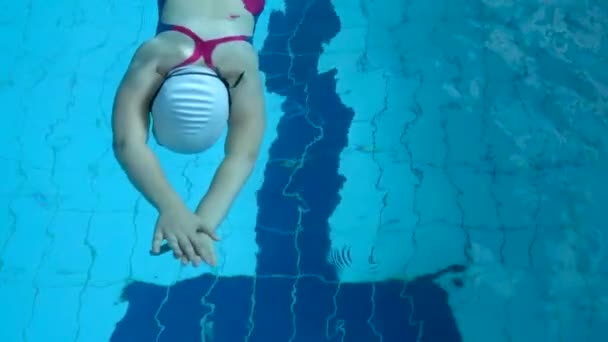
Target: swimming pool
{"x":433,"y":171}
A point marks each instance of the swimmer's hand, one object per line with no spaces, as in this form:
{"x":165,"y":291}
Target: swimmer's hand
{"x":186,"y":235}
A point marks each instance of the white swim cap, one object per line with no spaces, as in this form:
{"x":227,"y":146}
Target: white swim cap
{"x":190,"y":110}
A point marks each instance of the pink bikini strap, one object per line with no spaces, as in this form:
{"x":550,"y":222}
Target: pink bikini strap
{"x":203,"y":48}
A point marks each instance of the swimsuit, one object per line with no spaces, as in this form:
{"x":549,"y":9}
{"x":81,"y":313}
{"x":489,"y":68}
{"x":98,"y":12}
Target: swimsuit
{"x":204,"y":48}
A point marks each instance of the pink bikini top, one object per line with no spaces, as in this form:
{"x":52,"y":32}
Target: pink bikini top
{"x":204,"y":48}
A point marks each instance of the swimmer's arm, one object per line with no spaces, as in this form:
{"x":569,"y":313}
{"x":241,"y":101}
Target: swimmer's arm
{"x":130,"y":124}
{"x":245,"y":133}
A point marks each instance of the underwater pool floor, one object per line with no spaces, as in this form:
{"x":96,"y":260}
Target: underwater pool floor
{"x":432,"y":171}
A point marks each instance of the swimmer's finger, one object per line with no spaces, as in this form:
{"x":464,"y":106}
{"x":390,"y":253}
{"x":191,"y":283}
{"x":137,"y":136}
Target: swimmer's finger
{"x":210,"y":258}
{"x":212,"y":235}
{"x":164,"y":249}
{"x":157,"y":241}
{"x":174,"y":244}
{"x":200,"y":250}
{"x":186,"y":246}
{"x":208,"y":254}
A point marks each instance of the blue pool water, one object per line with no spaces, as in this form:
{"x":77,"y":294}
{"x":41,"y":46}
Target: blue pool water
{"x":432,"y":171}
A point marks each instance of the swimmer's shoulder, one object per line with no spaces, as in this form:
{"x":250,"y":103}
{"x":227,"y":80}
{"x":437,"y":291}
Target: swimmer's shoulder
{"x":161,"y":52}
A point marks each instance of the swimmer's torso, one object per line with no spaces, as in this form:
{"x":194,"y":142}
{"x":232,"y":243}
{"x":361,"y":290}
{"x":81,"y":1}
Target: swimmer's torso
{"x":232,"y":15}
{"x":211,"y":19}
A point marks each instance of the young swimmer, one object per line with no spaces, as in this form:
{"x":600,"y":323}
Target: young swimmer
{"x":197,"y":77}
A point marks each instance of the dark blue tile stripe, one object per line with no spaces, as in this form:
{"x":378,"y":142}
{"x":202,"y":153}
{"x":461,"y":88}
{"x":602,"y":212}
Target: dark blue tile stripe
{"x":139,"y":322}
{"x":296,"y":295}
{"x":299,"y":200}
